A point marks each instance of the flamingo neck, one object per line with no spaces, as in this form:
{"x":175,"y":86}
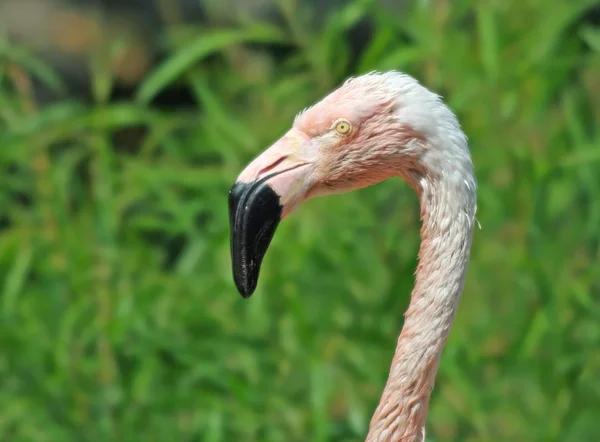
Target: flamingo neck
{"x":448,"y":213}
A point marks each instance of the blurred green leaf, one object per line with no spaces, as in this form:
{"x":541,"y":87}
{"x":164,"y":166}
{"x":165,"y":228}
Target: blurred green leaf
{"x":193,"y":52}
{"x":488,"y":39}
{"x":592,"y":37}
{"x":30,"y":63}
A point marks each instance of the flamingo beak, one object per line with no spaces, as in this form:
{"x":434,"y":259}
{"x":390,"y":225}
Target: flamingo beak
{"x":254,"y":214}
{"x":266,"y":191}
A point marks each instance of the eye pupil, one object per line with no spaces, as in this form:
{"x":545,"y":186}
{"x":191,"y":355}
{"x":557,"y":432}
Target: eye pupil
{"x":343,"y":127}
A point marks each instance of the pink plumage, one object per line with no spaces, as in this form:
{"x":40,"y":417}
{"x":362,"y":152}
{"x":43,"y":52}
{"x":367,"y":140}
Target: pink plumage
{"x":374,"y":127}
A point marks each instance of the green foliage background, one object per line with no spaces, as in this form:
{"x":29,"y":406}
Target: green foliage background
{"x":107,"y":335}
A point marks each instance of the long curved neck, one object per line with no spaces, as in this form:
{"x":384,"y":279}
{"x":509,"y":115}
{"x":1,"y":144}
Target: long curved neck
{"x":448,"y":213}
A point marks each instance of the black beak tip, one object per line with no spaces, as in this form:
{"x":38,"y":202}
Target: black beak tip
{"x":246,"y":290}
{"x":244,"y":279}
{"x":254,"y":214}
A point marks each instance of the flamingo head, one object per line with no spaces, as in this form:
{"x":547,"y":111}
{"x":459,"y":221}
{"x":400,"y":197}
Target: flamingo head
{"x":371,"y":128}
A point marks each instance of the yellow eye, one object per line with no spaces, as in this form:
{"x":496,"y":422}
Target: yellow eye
{"x":343,"y":127}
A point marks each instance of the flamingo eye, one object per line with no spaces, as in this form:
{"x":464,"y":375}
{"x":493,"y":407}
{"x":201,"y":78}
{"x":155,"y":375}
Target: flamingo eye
{"x":343,"y":127}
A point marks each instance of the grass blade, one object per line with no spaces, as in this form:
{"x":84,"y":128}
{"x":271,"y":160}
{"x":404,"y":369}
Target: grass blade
{"x":203,"y":46}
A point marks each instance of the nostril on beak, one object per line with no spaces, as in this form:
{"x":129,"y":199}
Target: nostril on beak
{"x":272,"y":166}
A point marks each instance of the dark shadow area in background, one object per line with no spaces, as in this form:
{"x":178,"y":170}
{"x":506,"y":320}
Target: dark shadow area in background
{"x":68,"y":24}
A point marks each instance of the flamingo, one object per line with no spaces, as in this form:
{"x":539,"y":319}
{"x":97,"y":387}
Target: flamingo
{"x":373,"y":127}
